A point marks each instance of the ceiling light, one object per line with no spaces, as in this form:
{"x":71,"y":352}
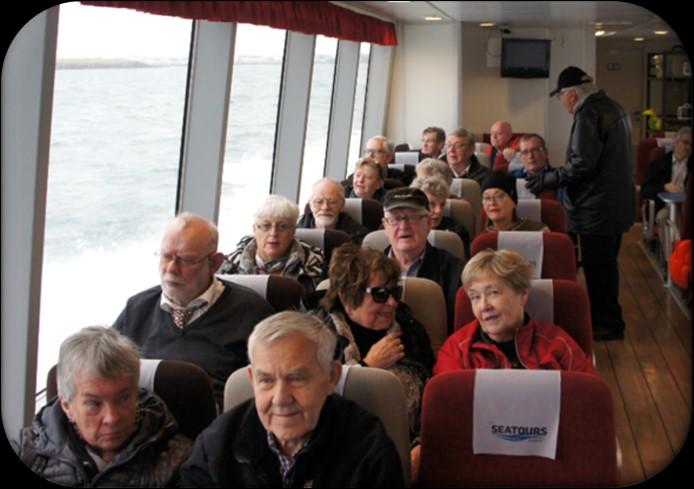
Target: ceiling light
{"x":639,"y":39}
{"x":433,"y":18}
{"x":599,"y":33}
{"x":660,"y":33}
{"x":487,"y":24}
{"x":407,"y":1}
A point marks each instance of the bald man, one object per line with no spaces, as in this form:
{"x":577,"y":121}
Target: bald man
{"x":191,"y":315}
{"x":503,"y":147}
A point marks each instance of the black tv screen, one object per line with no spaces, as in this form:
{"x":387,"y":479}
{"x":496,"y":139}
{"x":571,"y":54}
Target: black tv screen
{"x":525,"y":58}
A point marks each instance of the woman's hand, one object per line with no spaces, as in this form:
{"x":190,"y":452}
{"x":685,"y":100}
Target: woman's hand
{"x":385,"y":352}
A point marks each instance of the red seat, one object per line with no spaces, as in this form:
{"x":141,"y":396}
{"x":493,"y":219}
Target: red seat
{"x":559,"y":258}
{"x":586,"y":445}
{"x":570,"y":310}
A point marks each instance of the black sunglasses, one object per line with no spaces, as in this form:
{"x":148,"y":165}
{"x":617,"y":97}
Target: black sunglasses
{"x":381,"y":294}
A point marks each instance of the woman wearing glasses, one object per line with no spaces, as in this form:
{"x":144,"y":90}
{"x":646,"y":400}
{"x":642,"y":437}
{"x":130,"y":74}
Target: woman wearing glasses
{"x":374,"y":328}
{"x":499,"y":201}
{"x":273,"y":249}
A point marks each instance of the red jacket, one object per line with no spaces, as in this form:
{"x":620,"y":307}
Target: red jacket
{"x":539,"y":345}
{"x":500,"y":163}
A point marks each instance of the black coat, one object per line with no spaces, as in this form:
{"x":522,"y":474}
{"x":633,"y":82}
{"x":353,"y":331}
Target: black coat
{"x":53,"y":450}
{"x":598,"y":171}
{"x":348,"y":448}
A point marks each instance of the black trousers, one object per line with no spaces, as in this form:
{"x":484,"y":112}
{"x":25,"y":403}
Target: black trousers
{"x":599,"y":257}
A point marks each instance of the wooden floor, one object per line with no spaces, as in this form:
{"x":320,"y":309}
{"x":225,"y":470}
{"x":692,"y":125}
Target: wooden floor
{"x":650,"y":371}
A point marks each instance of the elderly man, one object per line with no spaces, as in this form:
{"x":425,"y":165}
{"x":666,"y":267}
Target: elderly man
{"x":381,"y":150}
{"x":407,"y":223}
{"x":191,"y":315}
{"x":669,"y":174}
{"x":504,"y":146}
{"x":101,"y":431}
{"x":533,"y":153}
{"x":460,"y":154}
{"x":296,"y":432}
{"x":599,"y":196}
{"x":432,"y":143}
{"x":326,"y":205}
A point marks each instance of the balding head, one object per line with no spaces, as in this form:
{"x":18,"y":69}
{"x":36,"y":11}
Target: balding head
{"x":188,"y":257}
{"x":500,"y":134}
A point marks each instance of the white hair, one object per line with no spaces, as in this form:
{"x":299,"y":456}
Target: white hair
{"x":288,"y":323}
{"x":277,"y":206}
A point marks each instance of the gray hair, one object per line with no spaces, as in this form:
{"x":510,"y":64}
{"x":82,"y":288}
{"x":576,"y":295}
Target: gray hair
{"x":336,"y":184}
{"x":96,"y":351}
{"x":387,"y":144}
{"x":382,"y":170}
{"x":683,"y":131}
{"x":584,"y":89}
{"x":464,"y":133}
{"x":288,"y":323}
{"x":185,"y":220}
{"x":437,"y":168}
{"x":435,"y":186}
{"x":277,"y":206}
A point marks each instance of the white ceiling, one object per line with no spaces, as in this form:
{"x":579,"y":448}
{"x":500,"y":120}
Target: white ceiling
{"x":625,"y":19}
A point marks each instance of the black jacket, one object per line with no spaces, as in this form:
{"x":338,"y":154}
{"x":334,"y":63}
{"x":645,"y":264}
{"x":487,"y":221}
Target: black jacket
{"x":348,"y":448}
{"x":598,"y":171}
{"x":444,"y":269}
{"x":53,"y":450}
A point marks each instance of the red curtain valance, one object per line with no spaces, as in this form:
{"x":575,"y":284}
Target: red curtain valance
{"x":307,"y":17}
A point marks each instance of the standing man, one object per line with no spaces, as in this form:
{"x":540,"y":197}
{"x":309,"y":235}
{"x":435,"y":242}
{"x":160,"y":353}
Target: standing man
{"x":599,"y":196}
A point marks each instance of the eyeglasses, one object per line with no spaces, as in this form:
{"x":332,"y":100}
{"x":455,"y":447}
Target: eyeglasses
{"x":281,"y":227}
{"x":429,"y":141}
{"x":405,"y":219}
{"x":180,"y":260}
{"x":457,"y":146}
{"x":534,"y":151}
{"x":375,"y":152}
{"x":488,"y":199}
{"x":381,"y":294}
{"x":328,"y":202}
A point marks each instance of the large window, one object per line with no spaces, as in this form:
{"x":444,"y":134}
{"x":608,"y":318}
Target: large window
{"x":113,"y":170}
{"x":359,"y":98}
{"x":318,"y":115}
{"x":250,"y":142}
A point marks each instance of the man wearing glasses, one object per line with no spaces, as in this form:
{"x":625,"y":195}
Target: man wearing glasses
{"x":191,"y":315}
{"x":407,"y":225}
{"x":460,"y":154}
{"x":599,"y":198}
{"x":326,"y":207}
{"x":382,"y":151}
{"x":432,"y":143}
{"x":533,"y":152}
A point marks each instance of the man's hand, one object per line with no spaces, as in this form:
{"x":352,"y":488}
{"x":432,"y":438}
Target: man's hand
{"x":536,"y":182}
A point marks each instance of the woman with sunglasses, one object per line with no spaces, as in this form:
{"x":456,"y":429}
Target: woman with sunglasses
{"x":374,"y":328}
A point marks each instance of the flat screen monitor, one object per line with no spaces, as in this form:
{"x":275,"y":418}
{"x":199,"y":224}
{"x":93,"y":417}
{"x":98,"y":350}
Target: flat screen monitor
{"x":525,"y":58}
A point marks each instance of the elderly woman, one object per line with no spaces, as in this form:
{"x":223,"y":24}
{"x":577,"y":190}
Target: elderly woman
{"x":368,"y":180}
{"x":437,"y":192}
{"x":273,"y":249}
{"x":503,"y":335}
{"x":499,"y":201}
{"x":432,"y":167}
{"x":374,"y":329}
{"x":100,"y":430}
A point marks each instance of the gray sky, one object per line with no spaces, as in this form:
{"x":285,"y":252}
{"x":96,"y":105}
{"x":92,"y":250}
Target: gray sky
{"x":100,"y":32}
